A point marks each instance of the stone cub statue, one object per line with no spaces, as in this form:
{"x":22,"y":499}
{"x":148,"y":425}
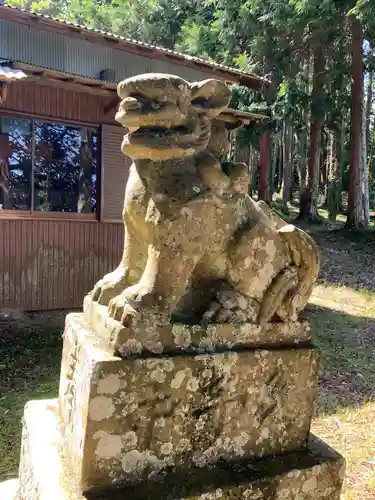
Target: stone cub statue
{"x":197,"y":247}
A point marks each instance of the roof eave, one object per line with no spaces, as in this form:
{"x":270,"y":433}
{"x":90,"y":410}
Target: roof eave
{"x":141,"y":49}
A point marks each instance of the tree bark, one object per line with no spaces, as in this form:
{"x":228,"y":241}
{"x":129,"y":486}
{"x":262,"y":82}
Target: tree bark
{"x":309,"y":197}
{"x":335,"y":185}
{"x":364,"y":168}
{"x":287,"y":166}
{"x":303,"y":135}
{"x":273,"y":166}
{"x":330,"y":165}
{"x":324,"y":165}
{"x":279,"y":165}
{"x":265,"y":145}
{"x":355,"y":217}
{"x":368,"y":105}
{"x":270,"y":94}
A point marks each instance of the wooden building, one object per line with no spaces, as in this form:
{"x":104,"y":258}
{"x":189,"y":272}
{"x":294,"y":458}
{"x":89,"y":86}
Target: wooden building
{"x":62,"y":175}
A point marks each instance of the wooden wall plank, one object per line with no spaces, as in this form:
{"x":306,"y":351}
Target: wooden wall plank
{"x":47,"y":264}
{"x":56,"y":103}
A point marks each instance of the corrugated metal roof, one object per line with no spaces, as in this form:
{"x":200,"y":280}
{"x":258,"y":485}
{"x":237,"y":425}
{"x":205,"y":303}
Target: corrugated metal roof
{"x":8,"y":74}
{"x":136,"y":43}
{"x":26,"y":41}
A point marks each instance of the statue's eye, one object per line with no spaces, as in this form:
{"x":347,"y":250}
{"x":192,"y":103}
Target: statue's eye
{"x":147,"y":103}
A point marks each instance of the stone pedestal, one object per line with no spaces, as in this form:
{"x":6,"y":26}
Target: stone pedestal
{"x":204,"y":423}
{"x":127,"y":419}
{"x":316,"y":472}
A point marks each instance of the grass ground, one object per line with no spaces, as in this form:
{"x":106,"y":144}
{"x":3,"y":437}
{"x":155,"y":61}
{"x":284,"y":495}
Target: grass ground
{"x":342,"y":311}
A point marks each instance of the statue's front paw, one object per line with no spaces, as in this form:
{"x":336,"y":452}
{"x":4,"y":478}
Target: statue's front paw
{"x":109,"y":286}
{"x":133,"y":301}
{"x":107,"y":289}
{"x":120,"y":309}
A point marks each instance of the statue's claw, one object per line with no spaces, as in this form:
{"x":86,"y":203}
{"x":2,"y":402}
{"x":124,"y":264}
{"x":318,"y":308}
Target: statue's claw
{"x":109,"y":286}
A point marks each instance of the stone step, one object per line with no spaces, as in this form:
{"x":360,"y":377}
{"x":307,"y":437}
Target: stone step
{"x":315,"y":473}
{"x":9,"y":489}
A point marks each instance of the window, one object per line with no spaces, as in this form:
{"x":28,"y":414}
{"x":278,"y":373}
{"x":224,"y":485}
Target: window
{"x":47,"y":167}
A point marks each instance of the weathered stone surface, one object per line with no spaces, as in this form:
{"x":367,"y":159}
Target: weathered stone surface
{"x":192,"y":232}
{"x":43,"y":474}
{"x":9,"y":489}
{"x":315,"y":473}
{"x":178,"y":337}
{"x":130,"y":419}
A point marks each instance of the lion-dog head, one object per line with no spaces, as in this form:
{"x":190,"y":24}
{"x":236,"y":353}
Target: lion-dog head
{"x":168,"y":117}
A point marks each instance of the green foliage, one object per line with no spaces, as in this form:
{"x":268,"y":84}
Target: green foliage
{"x":276,"y":38}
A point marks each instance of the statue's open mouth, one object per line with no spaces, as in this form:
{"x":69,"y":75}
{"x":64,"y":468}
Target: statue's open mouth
{"x":160,"y":131}
{"x":163,"y":141}
{"x":181,"y":137}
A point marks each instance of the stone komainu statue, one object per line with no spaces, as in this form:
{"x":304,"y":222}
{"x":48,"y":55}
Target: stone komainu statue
{"x":197,"y":247}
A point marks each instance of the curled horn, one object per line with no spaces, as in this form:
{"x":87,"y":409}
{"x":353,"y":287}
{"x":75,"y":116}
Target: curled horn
{"x":210,"y":97}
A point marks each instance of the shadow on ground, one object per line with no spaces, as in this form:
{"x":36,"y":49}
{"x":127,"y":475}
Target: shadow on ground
{"x":347,"y":345}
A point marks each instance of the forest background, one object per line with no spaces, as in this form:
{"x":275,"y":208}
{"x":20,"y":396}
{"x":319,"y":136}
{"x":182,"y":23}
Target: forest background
{"x":318,"y":147}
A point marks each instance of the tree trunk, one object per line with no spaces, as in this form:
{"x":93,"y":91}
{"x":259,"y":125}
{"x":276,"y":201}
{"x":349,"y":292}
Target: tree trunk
{"x":325,"y":160}
{"x":355,"y":212}
{"x":335,"y":186}
{"x":303,"y":135}
{"x":368,"y":106}
{"x":265,"y":145}
{"x":330,"y":165}
{"x":302,"y":162}
{"x":364,"y":168}
{"x":253,"y":170}
{"x":279,"y":165}
{"x":309,"y":197}
{"x":273,"y":166}
{"x":365,"y":149}
{"x":287,"y":166}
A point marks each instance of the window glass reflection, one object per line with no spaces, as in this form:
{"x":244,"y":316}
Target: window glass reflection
{"x":47,"y":167}
{"x":15,"y":163}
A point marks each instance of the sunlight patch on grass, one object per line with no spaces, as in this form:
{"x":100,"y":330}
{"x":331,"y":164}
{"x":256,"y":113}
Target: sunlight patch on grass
{"x":341,"y":298}
{"x":341,"y":218}
{"x":351,"y":432}
{"x":343,"y":324}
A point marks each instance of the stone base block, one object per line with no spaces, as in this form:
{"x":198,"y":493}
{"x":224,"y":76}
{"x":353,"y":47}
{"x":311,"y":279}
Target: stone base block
{"x":173,"y":338}
{"x":315,"y":473}
{"x":131,"y":419}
